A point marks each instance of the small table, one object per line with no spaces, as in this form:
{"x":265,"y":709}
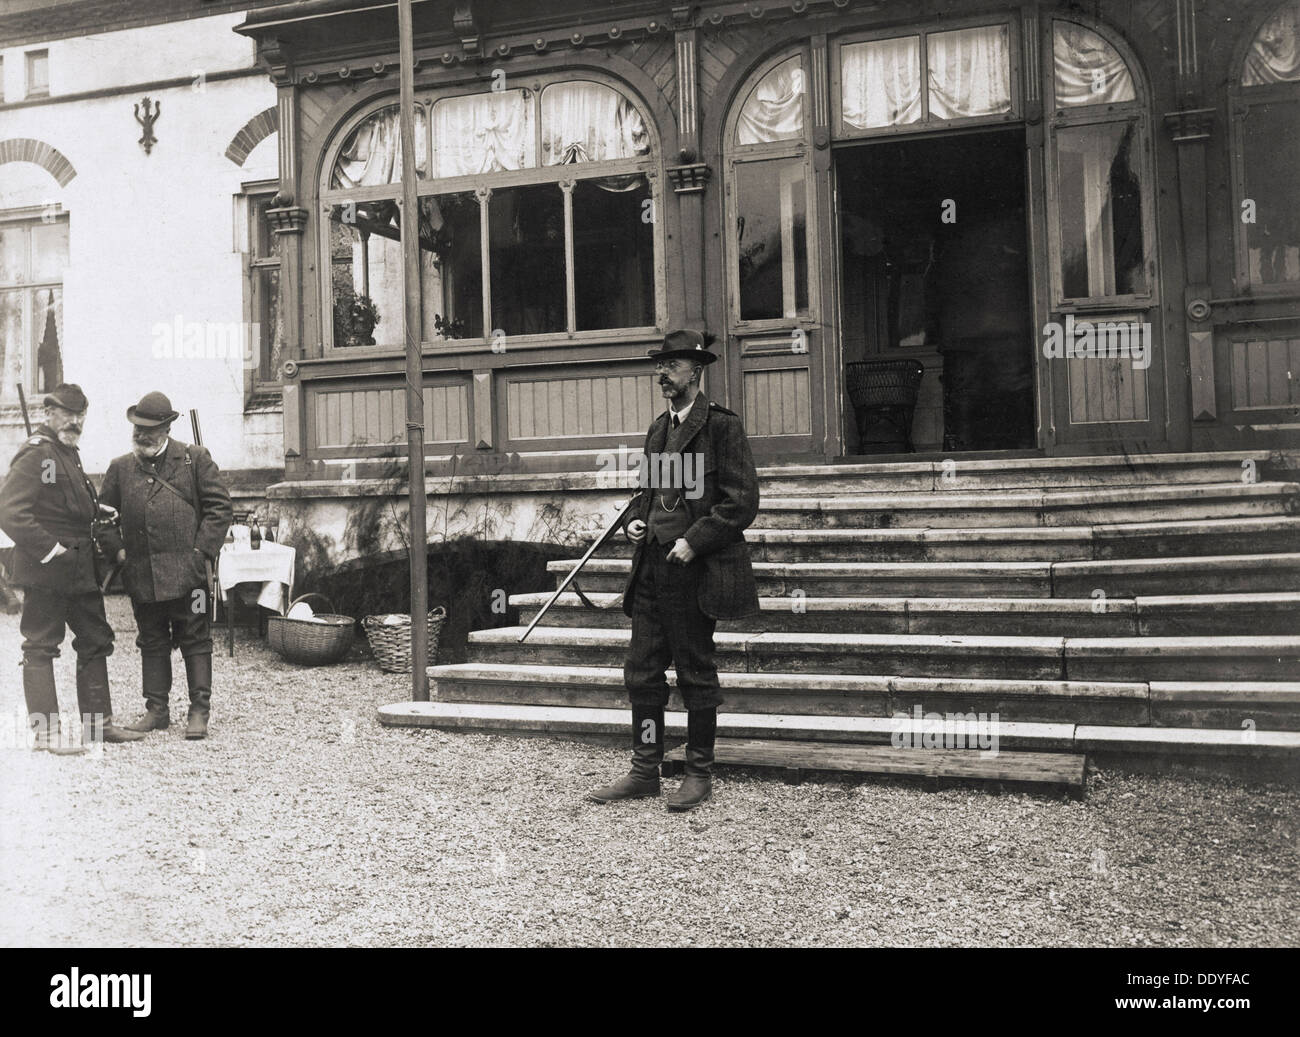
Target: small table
{"x":271,"y":566}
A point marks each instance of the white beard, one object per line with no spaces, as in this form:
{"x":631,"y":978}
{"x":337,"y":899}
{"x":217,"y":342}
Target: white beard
{"x":68,"y":438}
{"x":145,"y":453}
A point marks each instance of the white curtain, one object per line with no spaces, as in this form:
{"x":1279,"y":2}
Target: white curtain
{"x":1088,"y":70}
{"x":774,"y":109}
{"x":483,"y":133}
{"x":590,"y":122}
{"x":970,"y":72}
{"x":372,"y":154}
{"x":1275,"y":55}
{"x":881,"y":83}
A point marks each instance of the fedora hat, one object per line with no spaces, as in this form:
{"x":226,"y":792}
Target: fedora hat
{"x":685,"y":344}
{"x":154,"y":409}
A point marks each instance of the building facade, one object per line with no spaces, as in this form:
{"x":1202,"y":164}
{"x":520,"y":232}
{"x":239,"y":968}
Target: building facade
{"x":1080,"y":219}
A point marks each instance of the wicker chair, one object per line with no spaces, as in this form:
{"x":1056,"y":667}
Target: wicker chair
{"x":885,"y":391}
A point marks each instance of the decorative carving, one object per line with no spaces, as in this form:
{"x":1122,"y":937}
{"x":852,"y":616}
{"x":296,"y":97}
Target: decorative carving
{"x":467,"y":26}
{"x":146,"y":117}
{"x":1199,"y":310}
{"x":1190,"y":124}
{"x":289,"y":219}
{"x":290,"y":369}
{"x":276,"y":57}
{"x":689,"y":178}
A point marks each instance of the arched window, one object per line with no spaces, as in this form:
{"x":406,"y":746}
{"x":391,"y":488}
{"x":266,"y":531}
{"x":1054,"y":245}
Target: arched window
{"x":1101,"y":225}
{"x":770,"y":197}
{"x":536,"y":217}
{"x":1266,"y":153}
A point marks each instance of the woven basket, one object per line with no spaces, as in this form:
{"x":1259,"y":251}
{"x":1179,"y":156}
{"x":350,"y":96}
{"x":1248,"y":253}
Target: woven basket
{"x":391,"y":642}
{"x":307,"y":643}
{"x":884,"y":383}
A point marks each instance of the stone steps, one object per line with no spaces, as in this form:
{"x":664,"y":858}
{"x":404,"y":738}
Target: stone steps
{"x":980,"y":508}
{"x":1192,"y":614}
{"x":1016,"y":543}
{"x":1117,"y":578}
{"x":1224,"y":658}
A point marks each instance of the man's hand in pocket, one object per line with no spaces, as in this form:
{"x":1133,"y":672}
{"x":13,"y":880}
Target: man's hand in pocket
{"x":636,"y":531}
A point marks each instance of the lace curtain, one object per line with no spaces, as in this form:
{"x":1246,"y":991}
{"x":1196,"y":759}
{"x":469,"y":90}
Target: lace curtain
{"x":1275,"y":55}
{"x":970,"y":72}
{"x":372,"y":154}
{"x":881,"y":83}
{"x":589,"y":122}
{"x":1088,"y":70}
{"x":774,"y":109}
{"x":483,"y":133}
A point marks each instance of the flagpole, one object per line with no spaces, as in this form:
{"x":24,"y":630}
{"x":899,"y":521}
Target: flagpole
{"x":410,"y":224}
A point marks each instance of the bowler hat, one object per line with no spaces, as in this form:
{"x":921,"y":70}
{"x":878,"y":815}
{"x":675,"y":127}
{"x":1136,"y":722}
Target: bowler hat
{"x":68,"y":396}
{"x":154,"y":409}
{"x":685,"y":344}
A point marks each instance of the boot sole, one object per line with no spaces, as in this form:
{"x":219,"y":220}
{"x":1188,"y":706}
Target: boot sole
{"x":681,"y":808}
{"x":591,"y":797}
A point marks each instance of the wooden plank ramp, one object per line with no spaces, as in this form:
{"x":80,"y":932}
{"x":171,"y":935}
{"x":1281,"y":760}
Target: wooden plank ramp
{"x":1062,"y":770}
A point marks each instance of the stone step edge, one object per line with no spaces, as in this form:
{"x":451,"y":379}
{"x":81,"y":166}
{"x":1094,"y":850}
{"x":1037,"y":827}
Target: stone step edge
{"x":1037,"y":499}
{"x":587,"y":720}
{"x":1235,"y":693}
{"x":1142,"y":604}
{"x":1148,"y":462}
{"x":973,"y":570}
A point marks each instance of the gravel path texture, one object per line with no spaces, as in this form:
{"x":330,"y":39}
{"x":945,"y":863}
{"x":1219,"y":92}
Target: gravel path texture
{"x":301,"y":821}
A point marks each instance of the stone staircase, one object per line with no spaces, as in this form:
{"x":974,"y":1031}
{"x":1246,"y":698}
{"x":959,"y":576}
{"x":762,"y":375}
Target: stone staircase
{"x":1143,"y":610}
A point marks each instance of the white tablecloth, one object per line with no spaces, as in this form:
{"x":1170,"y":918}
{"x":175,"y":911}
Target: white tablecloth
{"x":271,"y":565}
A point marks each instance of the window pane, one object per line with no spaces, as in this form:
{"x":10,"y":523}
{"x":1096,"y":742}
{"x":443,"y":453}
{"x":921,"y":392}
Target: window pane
{"x":881,"y":83}
{"x":264,"y":243}
{"x":38,"y":73}
{"x":453,"y":266}
{"x":613,"y":253}
{"x":970,"y":72}
{"x":772,"y":239}
{"x":1275,"y":55}
{"x":372,"y":153}
{"x":49,"y":251}
{"x":1272,"y":157}
{"x":13,"y":343}
{"x":774,"y":108}
{"x":270,"y":326}
{"x":47,"y":334}
{"x":590,"y":122}
{"x":366,"y":272}
{"x":526,"y":232}
{"x":13,"y":254}
{"x":483,"y":133}
{"x":1100,"y":204}
{"x":1088,"y":70}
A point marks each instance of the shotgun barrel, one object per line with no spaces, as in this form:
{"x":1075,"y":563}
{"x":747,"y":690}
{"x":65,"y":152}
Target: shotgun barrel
{"x":22,"y":402}
{"x":609,"y":531}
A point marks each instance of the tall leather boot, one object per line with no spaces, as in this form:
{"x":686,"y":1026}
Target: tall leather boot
{"x":697,"y":786}
{"x":43,"y":708}
{"x":156,"y":680}
{"x":96,"y":705}
{"x":198,"y":673}
{"x":647,"y":754}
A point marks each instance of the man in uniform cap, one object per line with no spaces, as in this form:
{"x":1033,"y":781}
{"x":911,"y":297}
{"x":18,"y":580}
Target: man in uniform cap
{"x":175,"y":513}
{"x":690,"y":569}
{"x":48,"y":508}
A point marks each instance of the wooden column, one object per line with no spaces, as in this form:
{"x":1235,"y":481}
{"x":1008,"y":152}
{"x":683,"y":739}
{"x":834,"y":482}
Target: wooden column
{"x":689,"y":177}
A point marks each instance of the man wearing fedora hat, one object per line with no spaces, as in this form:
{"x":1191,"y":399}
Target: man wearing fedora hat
{"x":175,"y":513}
{"x":691,"y":568}
{"x":49,"y":509}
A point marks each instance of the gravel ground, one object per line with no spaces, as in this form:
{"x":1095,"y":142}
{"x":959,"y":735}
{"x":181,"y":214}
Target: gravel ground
{"x":301,"y":821}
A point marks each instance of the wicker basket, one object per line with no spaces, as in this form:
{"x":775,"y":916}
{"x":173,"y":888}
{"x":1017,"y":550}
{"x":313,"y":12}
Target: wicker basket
{"x":391,"y":642}
{"x":309,"y":643}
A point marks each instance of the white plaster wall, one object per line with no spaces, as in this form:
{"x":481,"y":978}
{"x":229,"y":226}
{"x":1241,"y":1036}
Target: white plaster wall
{"x":152,"y":237}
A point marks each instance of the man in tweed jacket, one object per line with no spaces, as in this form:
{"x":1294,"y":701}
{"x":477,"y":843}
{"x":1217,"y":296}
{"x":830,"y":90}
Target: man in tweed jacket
{"x":691,"y":568}
{"x":175,"y":513}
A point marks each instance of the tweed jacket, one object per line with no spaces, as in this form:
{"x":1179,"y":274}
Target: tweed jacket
{"x":719,"y":516}
{"x":47,"y":500}
{"x":168,"y":538}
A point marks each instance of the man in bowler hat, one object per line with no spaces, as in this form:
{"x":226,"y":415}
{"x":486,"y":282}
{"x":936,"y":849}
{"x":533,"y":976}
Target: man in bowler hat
{"x":49,"y":509}
{"x":691,"y":568}
{"x":175,"y":513}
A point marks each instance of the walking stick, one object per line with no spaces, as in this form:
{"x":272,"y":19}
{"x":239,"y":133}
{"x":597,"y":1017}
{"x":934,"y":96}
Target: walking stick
{"x":207,"y":565}
{"x":609,"y":531}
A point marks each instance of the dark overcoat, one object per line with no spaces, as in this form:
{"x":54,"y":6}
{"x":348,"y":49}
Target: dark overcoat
{"x":161,"y":530}
{"x":46,"y":500}
{"x":720,"y":516}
